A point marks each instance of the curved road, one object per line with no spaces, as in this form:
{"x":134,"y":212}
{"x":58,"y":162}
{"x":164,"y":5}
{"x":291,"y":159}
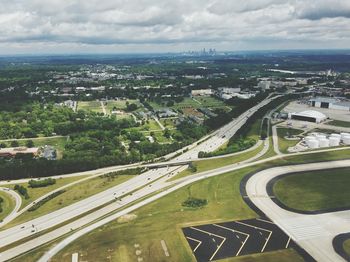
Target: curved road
{"x":18,"y":200}
{"x":313,"y":232}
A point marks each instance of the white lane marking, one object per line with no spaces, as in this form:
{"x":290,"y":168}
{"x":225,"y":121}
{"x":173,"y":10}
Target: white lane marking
{"x":195,"y":240}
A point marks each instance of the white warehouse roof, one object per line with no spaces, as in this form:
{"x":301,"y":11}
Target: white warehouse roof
{"x":318,"y":116}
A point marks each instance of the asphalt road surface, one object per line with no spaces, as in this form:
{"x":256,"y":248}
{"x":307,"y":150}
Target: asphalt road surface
{"x":237,"y":238}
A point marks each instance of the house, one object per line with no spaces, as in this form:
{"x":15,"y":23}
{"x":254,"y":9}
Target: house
{"x":13,"y":151}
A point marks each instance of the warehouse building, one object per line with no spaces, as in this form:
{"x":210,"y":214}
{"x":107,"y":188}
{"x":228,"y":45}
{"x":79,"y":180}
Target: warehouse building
{"x":309,"y":116}
{"x":330,"y":103}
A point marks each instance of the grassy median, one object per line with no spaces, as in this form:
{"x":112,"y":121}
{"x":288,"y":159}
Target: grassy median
{"x":72,"y":195}
{"x":315,"y":190}
{"x":7,"y":204}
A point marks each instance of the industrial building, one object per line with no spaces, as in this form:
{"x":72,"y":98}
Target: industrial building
{"x":309,"y":116}
{"x":330,"y":103}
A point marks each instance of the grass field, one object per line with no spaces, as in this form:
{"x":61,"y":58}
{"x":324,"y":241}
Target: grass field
{"x":119,"y":104}
{"x":35,"y":193}
{"x":317,"y":189}
{"x":153,"y":224}
{"x":346,"y":246}
{"x":339,"y":123}
{"x":283,"y":143}
{"x":73,"y":194}
{"x":209,"y":101}
{"x":205,"y":165}
{"x":164,"y":218}
{"x":7,"y":205}
{"x":94,"y":106}
{"x":168,"y":122}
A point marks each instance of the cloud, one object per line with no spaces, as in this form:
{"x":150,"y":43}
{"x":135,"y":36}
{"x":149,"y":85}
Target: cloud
{"x":176,"y":25}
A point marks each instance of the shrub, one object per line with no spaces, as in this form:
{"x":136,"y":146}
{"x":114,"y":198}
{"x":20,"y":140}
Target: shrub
{"x":41,"y":183}
{"x":195,"y":202}
{"x":46,"y":199}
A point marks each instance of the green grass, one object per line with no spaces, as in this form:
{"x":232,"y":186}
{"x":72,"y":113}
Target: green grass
{"x":150,"y":125}
{"x":316,"y":190}
{"x":168,"y":122}
{"x":164,"y":218}
{"x":205,"y":165}
{"x":209,"y":101}
{"x":286,"y":255}
{"x":73,"y":194}
{"x":35,"y":193}
{"x":119,"y":104}
{"x":346,"y":246}
{"x":7,"y":205}
{"x":153,"y":223}
{"x":339,"y":123}
{"x":94,"y":106}
{"x":283,"y":143}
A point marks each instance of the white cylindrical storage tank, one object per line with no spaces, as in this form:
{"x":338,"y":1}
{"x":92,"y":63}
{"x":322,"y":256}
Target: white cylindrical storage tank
{"x":324,"y":142}
{"x":319,"y":137}
{"x":313,"y":144}
{"x":346,"y":140}
{"x":336,"y":135}
{"x":344,"y":135}
{"x":334,"y":141}
{"x":308,"y":138}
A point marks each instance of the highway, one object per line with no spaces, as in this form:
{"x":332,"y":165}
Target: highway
{"x":312,"y":232}
{"x":161,"y":184}
{"x":217,"y":139}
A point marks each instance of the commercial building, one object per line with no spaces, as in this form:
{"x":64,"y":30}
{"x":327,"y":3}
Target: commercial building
{"x":202,"y":92}
{"x":330,"y":103}
{"x":13,"y":151}
{"x":309,"y":116}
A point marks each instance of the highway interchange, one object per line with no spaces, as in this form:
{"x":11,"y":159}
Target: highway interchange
{"x":132,"y":194}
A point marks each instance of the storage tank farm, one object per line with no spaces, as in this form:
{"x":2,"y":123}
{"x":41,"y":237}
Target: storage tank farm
{"x":315,"y":140}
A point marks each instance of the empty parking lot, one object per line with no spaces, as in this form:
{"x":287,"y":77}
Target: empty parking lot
{"x":236,"y":238}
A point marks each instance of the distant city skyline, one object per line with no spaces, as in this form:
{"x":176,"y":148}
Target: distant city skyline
{"x":145,"y":26}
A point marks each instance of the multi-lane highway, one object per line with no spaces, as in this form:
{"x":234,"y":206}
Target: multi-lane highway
{"x":211,"y":143}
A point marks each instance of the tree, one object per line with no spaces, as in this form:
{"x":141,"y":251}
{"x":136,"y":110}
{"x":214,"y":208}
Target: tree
{"x":30,"y":143}
{"x":14,"y":143}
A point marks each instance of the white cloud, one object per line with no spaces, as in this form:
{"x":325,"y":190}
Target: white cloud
{"x":145,"y":24}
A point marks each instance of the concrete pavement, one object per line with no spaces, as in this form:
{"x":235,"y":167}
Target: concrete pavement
{"x":18,"y":200}
{"x":314,"y":233}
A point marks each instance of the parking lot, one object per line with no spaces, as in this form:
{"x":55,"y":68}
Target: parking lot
{"x":237,"y":238}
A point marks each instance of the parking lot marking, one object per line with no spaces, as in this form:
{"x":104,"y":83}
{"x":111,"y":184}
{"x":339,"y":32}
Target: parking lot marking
{"x":239,"y":251}
{"x":255,"y":227}
{"x":267,"y":240}
{"x":288,"y":243}
{"x":218,"y":248}
{"x":266,"y":221}
{"x":195,"y":240}
{"x":230,"y":229}
{"x":208,"y":233}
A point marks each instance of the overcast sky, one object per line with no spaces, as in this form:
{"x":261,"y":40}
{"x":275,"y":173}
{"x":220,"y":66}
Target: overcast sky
{"x":124,"y":26}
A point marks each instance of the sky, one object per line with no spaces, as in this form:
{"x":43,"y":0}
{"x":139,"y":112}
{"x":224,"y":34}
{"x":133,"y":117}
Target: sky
{"x":156,"y":26}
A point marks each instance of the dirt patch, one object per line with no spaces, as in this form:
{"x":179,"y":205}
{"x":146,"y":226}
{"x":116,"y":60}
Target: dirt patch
{"x":127,"y":218}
